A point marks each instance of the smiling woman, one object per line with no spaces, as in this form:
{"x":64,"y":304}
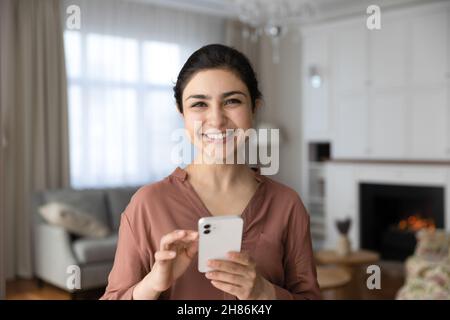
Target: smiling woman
{"x":217,"y":93}
{"x":217,"y":96}
{"x":213,"y":120}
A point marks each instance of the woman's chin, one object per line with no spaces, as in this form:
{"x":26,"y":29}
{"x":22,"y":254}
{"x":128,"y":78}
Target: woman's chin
{"x":218,"y":156}
{"x":223,"y":151}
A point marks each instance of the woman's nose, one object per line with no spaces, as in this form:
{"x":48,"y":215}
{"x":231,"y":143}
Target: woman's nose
{"x":216,"y":116}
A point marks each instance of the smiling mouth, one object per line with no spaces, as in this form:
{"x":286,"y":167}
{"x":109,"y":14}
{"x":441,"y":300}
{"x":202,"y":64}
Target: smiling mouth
{"x":217,"y":137}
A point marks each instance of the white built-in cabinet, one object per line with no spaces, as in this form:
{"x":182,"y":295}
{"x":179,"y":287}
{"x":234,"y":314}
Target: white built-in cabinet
{"x":429,"y":88}
{"x":349,"y":96}
{"x":386,"y":93}
{"x":387,"y":90}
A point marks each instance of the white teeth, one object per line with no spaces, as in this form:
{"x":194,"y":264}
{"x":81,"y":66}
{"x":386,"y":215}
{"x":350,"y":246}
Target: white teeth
{"x":219,"y":135}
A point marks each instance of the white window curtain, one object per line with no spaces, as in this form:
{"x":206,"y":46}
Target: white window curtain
{"x":121,"y":65}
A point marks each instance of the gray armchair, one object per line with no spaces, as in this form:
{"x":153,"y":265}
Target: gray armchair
{"x":55,"y":249}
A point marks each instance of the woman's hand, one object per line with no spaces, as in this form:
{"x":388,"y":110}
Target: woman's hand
{"x":238,"y":276}
{"x":176,"y":251}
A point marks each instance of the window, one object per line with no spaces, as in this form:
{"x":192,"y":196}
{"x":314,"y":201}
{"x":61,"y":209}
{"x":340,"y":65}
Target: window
{"x":121,"y":108}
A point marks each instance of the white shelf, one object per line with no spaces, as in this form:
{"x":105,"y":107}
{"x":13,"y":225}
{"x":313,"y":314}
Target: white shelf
{"x":315,"y":201}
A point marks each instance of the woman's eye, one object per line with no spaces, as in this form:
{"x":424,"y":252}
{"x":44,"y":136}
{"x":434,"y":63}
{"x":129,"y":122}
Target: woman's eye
{"x":199,"y":104}
{"x":232,"y":102}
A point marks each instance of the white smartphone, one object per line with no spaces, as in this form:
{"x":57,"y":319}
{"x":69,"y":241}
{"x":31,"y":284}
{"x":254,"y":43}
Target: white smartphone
{"x":218,"y":236}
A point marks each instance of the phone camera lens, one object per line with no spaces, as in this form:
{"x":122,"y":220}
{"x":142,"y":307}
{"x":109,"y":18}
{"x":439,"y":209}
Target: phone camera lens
{"x":207,"y":226}
{"x":206,"y":231}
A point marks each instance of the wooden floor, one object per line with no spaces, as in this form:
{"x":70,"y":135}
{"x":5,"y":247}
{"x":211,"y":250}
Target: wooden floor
{"x":391,"y":280}
{"x":24,"y":289}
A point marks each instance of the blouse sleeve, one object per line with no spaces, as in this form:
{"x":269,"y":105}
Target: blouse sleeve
{"x":300,"y":270}
{"x":130,"y":265}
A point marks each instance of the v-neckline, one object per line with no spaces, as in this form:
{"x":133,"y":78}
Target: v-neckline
{"x":206,"y":212}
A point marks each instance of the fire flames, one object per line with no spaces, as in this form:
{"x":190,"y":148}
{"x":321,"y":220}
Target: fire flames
{"x":415,"y":223}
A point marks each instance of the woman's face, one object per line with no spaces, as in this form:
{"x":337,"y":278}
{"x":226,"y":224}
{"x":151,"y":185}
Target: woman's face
{"x":215,"y":104}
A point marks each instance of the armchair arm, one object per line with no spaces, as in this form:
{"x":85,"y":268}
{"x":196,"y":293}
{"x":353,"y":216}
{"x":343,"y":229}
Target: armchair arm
{"x":53,"y":254}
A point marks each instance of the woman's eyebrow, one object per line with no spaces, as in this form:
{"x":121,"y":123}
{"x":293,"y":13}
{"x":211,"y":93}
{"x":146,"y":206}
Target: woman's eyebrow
{"x":198,"y":96}
{"x":224,"y":95}
{"x":230,"y":93}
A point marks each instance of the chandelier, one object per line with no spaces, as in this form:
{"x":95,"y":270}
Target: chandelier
{"x":271,"y":18}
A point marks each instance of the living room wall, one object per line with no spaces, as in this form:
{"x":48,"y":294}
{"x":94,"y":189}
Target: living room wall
{"x":281,"y":85}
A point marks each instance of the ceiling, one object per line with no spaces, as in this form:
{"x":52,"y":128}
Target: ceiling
{"x":326,"y":9}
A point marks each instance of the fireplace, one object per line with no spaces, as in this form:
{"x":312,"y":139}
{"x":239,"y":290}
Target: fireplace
{"x":390,"y":215}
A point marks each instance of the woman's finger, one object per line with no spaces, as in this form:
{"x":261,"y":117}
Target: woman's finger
{"x":185,"y":243}
{"x":173,"y":236}
{"x":165,"y":255}
{"x":228,"y":266}
{"x":191,"y":234}
{"x":192,"y":249}
{"x":231,"y":278}
{"x":241,"y":258}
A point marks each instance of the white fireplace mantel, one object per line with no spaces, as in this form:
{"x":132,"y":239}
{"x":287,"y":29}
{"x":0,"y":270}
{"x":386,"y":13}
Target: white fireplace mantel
{"x":342,"y":189}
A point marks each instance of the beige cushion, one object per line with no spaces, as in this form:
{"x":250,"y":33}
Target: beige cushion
{"x":74,"y":220}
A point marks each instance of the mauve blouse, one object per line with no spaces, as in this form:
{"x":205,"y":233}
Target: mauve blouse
{"x":276,"y":235}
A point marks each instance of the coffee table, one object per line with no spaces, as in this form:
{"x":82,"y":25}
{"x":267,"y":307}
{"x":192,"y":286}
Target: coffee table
{"x":355,"y":258}
{"x":353,"y":263}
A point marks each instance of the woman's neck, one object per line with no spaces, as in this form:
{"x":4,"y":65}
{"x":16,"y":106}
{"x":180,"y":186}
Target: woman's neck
{"x":219,"y":177}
